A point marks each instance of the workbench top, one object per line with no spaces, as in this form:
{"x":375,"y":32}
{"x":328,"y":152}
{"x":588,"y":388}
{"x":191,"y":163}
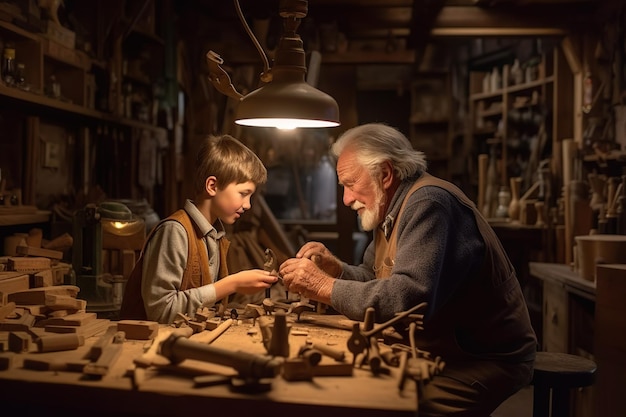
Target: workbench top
{"x":170,"y":390}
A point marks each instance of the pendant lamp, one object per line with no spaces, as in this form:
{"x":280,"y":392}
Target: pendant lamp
{"x":286,"y":100}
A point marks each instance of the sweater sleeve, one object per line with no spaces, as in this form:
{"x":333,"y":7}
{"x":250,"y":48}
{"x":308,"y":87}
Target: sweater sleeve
{"x":439,"y":246}
{"x":165,"y":259}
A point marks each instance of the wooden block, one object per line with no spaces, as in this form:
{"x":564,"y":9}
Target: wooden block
{"x":38,"y":295}
{"x":22,"y":323}
{"x":138,"y":329}
{"x":38,"y":310}
{"x":32,"y":251}
{"x":14,"y":285}
{"x":333,"y":369}
{"x":19,"y":341}
{"x":90,"y":329}
{"x":28,"y":264}
{"x":60,"y":243}
{"x":6,"y":310}
{"x":42,"y":279}
{"x":296,"y":369}
{"x":63,"y":302}
{"x":6,"y":360}
{"x":105,"y":340}
{"x":9,"y":274}
{"x":59,"y":342}
{"x":59,"y":271}
{"x":107,"y":359}
{"x":77,"y":319}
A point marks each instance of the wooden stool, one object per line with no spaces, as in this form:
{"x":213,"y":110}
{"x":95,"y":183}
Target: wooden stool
{"x":556,"y":374}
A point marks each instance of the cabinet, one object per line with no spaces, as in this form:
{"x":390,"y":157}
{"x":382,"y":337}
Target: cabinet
{"x":431,"y":120}
{"x":570,"y":321}
{"x":518,"y":116}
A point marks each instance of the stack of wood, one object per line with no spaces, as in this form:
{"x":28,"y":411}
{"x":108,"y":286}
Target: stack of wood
{"x":36,"y":303}
{"x":42,"y":315}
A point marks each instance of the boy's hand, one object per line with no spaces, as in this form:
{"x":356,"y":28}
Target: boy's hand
{"x":252,"y":281}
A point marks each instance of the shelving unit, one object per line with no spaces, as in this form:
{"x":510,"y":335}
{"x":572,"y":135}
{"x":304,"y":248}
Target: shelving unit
{"x":520,"y":124}
{"x":54,"y":139}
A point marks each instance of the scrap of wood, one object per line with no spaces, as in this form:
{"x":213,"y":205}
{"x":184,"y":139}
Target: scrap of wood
{"x":59,"y":271}
{"x":19,"y":341}
{"x":14,"y":284}
{"x":6,"y":310}
{"x":90,"y":329}
{"x":151,"y":356}
{"x":6,"y":360}
{"x":23,"y":322}
{"x":33,"y":251}
{"x":28,"y":263}
{"x":10,"y":274}
{"x":38,"y":295}
{"x":333,"y":369}
{"x":77,"y":319}
{"x":139,"y":329}
{"x":40,"y":311}
{"x":59,"y":342}
{"x":61,"y":243}
{"x":102,"y":342}
{"x":107,"y":359}
{"x":64,"y":302}
{"x":43,"y":278}
{"x":210,"y":336}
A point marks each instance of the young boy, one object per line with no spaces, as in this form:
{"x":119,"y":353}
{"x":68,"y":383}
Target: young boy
{"x":183,"y":263}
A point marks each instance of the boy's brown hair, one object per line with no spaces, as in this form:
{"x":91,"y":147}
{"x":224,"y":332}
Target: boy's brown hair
{"x":228,"y":160}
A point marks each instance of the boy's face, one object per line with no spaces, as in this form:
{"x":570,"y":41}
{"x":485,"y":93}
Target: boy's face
{"x":230,"y":202}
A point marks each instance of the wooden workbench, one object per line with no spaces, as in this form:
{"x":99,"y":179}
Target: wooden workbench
{"x":30,"y":392}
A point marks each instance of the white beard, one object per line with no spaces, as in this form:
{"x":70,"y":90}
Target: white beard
{"x":370,"y":217}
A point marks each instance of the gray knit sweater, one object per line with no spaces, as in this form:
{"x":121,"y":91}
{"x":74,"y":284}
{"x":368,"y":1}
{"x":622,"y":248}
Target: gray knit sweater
{"x":439,"y":247}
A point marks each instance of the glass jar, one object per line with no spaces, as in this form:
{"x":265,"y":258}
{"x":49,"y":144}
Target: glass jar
{"x":20,"y":79}
{"x":8,"y":65}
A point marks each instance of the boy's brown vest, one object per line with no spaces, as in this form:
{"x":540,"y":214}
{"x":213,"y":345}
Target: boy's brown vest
{"x":195,"y":275}
{"x":491,"y":299}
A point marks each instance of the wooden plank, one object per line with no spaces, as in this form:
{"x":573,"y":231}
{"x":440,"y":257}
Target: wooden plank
{"x":28,"y":264}
{"x":64,"y":302}
{"x":43,"y":278}
{"x":38,"y":295}
{"x":138,"y":329}
{"x":10,"y":274}
{"x":13,"y":285}
{"x":22,"y":323}
{"x":6,"y":310}
{"x":77,"y":319}
{"x":90,"y":329}
{"x":39,"y":252}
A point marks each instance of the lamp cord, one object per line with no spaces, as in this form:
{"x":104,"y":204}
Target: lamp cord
{"x":266,"y":75}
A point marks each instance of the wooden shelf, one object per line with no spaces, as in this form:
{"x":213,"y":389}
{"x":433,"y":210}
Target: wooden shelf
{"x":40,"y":216}
{"x":52,"y":103}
